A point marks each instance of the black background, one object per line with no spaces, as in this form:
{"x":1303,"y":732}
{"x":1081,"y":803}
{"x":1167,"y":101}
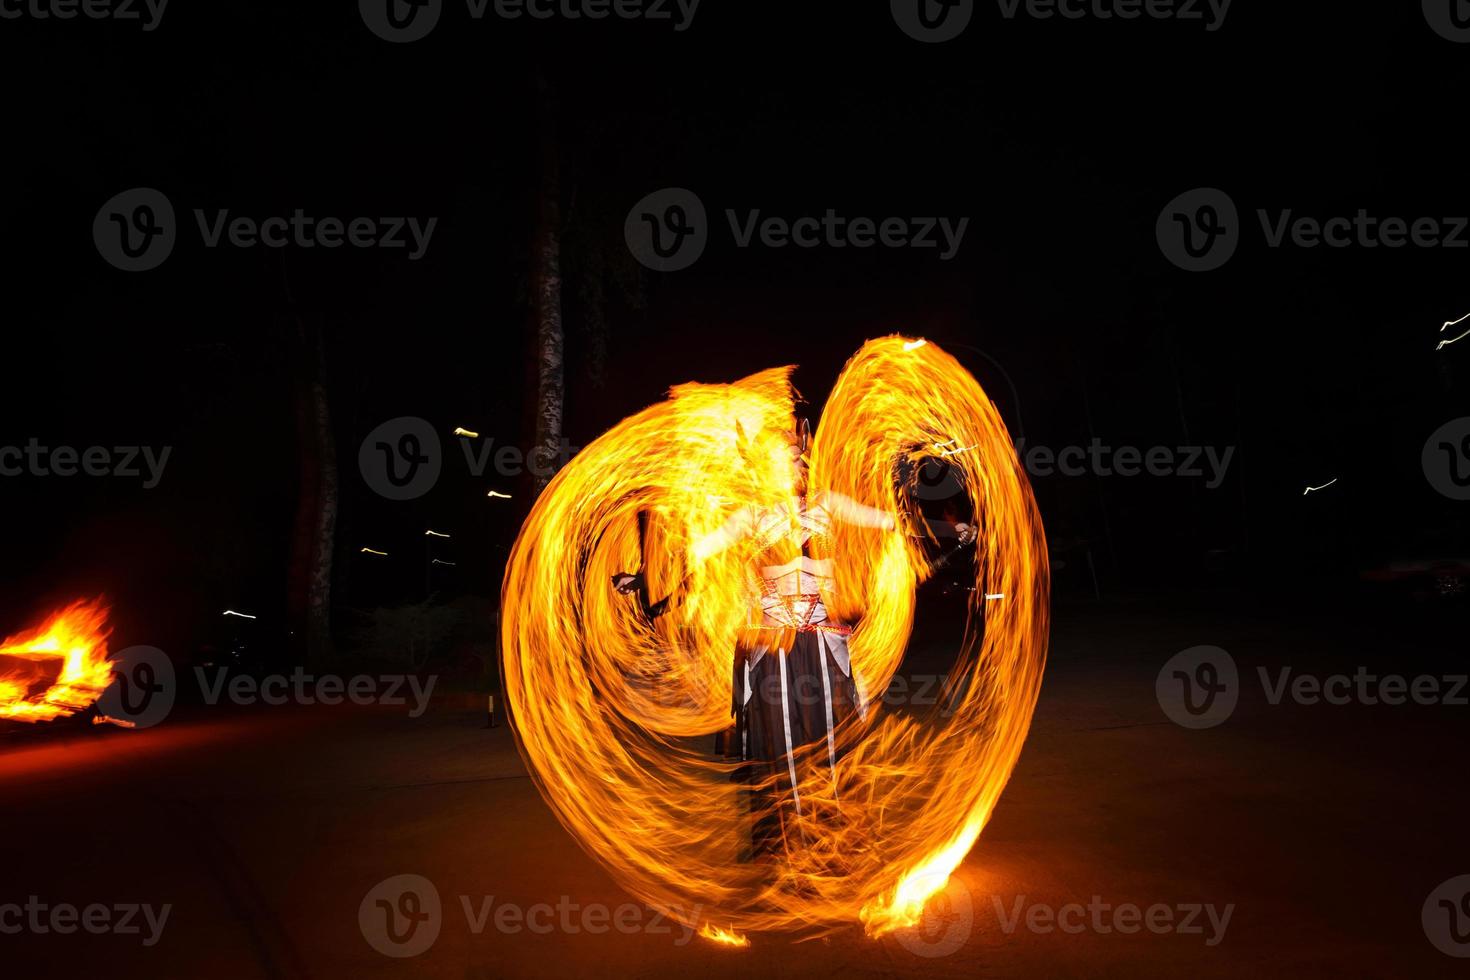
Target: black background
{"x":1061,"y":141}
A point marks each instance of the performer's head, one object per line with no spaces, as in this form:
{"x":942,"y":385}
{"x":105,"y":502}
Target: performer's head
{"x":799,"y":441}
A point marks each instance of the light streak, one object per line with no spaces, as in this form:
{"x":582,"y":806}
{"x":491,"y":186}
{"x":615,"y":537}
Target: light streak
{"x":434,"y":534}
{"x":231,"y":612}
{"x":466,"y":433}
{"x":1450,"y":323}
{"x":373,"y":551}
{"x":1322,"y":487}
{"x":498,"y":496}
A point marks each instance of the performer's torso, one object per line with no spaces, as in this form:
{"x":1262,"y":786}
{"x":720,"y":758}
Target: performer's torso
{"x":795,"y":565}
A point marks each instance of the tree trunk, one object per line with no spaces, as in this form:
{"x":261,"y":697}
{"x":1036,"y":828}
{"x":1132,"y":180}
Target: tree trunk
{"x":546,"y":265}
{"x":310,"y":602}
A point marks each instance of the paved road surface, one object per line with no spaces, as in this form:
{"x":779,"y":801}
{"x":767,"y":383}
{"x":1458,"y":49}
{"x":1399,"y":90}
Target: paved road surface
{"x":1323,"y":829}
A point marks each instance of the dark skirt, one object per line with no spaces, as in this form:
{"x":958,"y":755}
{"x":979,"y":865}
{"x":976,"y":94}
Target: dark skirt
{"x":804,"y":705}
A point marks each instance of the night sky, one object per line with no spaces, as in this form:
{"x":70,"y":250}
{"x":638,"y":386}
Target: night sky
{"x":1061,"y":141}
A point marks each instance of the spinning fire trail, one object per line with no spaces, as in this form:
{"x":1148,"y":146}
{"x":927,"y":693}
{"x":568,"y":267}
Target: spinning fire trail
{"x":613,"y":709}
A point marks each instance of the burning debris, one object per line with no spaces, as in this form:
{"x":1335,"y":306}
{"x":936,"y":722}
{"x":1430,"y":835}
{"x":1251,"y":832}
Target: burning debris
{"x":57,"y":669}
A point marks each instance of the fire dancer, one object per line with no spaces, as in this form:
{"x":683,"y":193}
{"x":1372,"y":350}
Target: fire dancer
{"x":794,"y":683}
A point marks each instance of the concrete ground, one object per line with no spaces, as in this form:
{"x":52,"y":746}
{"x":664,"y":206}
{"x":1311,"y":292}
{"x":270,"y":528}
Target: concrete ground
{"x":1322,"y":829}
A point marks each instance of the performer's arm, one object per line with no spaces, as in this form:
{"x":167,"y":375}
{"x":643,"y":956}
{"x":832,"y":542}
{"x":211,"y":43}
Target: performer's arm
{"x":735,"y":527}
{"x":849,"y":511}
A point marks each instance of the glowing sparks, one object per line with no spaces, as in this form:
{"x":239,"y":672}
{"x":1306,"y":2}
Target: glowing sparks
{"x":950,"y":448}
{"x":1322,"y":487}
{"x":466,"y":433}
{"x":373,"y":551}
{"x":992,"y":596}
{"x":58,"y":668}
{"x":1450,"y":323}
{"x":912,"y":345}
{"x":607,"y":704}
{"x":498,"y":496}
{"x":434,"y":534}
{"x":724,"y":937}
{"x":231,"y":612}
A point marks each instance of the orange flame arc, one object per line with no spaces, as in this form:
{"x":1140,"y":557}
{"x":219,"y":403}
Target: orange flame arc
{"x":613,"y":710}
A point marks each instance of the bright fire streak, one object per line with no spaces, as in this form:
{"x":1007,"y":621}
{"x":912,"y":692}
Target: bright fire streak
{"x":724,"y":937}
{"x":371,"y":551}
{"x":914,"y":344}
{"x":1450,"y":323}
{"x":1322,"y":487}
{"x":498,"y":496}
{"x":466,"y":433}
{"x":434,"y":534}
{"x":905,"y":907}
{"x":613,"y":712}
{"x":231,"y":612}
{"x":72,"y":643}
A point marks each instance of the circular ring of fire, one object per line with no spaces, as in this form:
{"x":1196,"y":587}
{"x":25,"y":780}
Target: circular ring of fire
{"x":613,"y":708}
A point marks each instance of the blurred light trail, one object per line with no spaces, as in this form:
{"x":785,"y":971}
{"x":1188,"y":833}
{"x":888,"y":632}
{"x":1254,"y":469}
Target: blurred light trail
{"x":612,"y":708}
{"x":1450,"y":323}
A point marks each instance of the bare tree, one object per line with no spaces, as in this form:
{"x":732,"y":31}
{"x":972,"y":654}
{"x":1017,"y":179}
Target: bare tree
{"x":310,"y":602}
{"x":546,"y":272}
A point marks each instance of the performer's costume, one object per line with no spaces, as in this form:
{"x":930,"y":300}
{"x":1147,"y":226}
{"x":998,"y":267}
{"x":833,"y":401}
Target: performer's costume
{"x":794,"y":683}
